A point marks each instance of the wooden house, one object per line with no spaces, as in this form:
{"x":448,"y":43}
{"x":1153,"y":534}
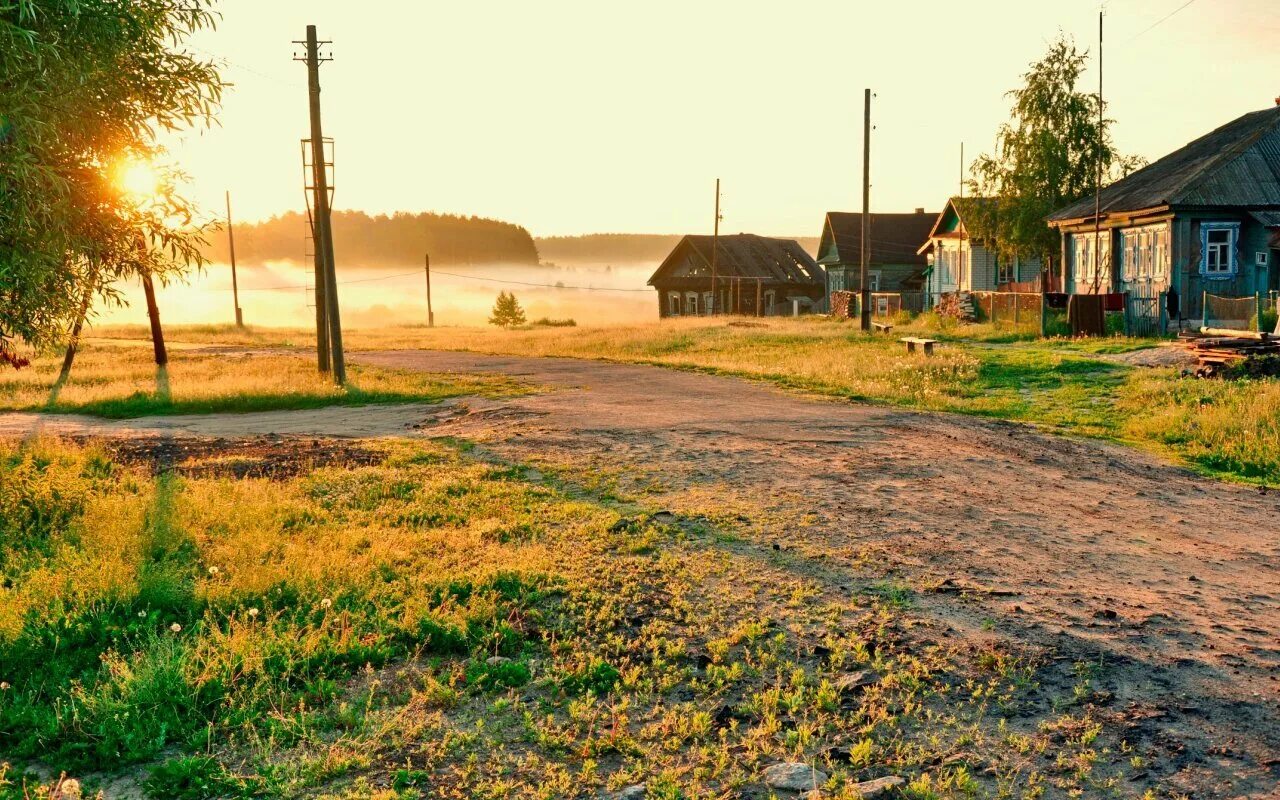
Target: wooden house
{"x":1205,"y":218}
{"x":960,"y":263}
{"x":754,"y":275}
{"x":893,"y":262}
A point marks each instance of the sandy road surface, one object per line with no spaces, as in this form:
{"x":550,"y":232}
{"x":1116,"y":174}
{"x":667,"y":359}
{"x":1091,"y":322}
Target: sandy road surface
{"x":1168,"y":582}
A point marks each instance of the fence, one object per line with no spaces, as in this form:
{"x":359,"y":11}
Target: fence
{"x":1008,"y":309}
{"x":883,"y":304}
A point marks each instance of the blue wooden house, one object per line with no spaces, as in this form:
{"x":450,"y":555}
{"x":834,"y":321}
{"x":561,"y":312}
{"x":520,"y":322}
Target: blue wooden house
{"x":1203,"y":219}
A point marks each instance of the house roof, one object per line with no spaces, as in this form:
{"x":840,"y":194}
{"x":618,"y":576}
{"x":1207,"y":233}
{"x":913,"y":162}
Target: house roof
{"x":745,"y":255}
{"x":894,"y":237}
{"x":1235,"y":165}
{"x":958,"y":207}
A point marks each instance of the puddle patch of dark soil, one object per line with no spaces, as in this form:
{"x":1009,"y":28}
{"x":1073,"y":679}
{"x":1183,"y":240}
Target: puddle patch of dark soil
{"x":274,"y":457}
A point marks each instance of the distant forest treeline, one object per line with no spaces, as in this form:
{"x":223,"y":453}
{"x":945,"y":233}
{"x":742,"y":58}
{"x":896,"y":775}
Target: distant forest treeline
{"x":402,"y":238}
{"x":621,"y":248}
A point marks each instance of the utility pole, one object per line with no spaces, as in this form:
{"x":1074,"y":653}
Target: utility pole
{"x":431,"y":316}
{"x":866,"y":210}
{"x":715,"y":254}
{"x":235,"y":286}
{"x":962,"y":170}
{"x":1097,"y":186}
{"x":323,"y":233}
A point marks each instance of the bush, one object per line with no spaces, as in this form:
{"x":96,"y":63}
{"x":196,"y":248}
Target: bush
{"x":196,"y":778}
{"x":1269,"y":319}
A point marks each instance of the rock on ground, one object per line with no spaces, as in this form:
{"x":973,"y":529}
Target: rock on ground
{"x":795,"y":777}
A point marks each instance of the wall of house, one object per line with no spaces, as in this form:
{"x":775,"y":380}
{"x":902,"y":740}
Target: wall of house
{"x":1248,"y":277}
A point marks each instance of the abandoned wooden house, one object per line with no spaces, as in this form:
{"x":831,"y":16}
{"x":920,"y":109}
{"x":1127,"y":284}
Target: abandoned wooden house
{"x":1203,"y":219}
{"x":893,"y":264}
{"x":754,"y":275}
{"x":961,"y":263}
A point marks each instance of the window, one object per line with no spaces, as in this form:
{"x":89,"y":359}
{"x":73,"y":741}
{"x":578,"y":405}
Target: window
{"x":1144,"y":254}
{"x":706,"y":302}
{"x":873,"y":280}
{"x":1218,"y":248}
{"x":691,"y":304}
{"x":837,"y":281}
{"x":673,"y":304}
{"x":1092,"y":268}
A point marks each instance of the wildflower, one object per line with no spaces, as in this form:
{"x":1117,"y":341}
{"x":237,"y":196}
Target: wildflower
{"x":142,"y":615}
{"x":68,"y":788}
{"x":4,"y":686}
{"x":213,"y":570}
{"x":325,"y":603}
{"x":175,"y":627}
{"x":253,"y":612}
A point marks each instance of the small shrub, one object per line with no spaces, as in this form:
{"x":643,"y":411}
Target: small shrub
{"x":599,"y":677}
{"x":195,"y":778}
{"x":499,"y":675}
{"x":547,"y":322}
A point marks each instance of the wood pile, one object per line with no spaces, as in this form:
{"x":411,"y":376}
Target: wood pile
{"x":960,"y":305}
{"x":1217,"y":348}
{"x":844,"y":305}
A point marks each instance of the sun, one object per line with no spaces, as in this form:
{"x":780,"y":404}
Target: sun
{"x":138,"y":179}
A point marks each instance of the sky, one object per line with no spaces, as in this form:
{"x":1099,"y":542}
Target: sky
{"x":581,"y":116}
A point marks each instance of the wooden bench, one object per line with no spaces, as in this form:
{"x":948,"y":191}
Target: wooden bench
{"x":915,"y":341}
{"x":882,"y":327}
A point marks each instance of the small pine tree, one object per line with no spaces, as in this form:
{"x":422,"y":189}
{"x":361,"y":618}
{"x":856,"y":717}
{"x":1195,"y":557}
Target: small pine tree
{"x":507,"y":312}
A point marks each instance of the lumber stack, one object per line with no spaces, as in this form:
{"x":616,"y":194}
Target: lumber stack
{"x":844,"y":305}
{"x":1215,"y":348}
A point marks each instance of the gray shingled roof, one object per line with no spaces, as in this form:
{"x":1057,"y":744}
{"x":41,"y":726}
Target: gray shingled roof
{"x":747,"y":255}
{"x":895,"y":238}
{"x":1236,"y":165}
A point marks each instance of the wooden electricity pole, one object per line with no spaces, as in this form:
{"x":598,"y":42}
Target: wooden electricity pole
{"x":323,"y":233}
{"x":431,"y":317}
{"x":235,"y":286}
{"x":1097,"y":186}
{"x":715,"y":254}
{"x":866,"y":210}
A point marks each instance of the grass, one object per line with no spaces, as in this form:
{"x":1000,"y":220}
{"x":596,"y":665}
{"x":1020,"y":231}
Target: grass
{"x":440,"y":623}
{"x":124,"y":382}
{"x":1224,"y":429}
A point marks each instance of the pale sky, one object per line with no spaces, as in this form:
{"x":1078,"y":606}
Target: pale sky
{"x":570,"y":116}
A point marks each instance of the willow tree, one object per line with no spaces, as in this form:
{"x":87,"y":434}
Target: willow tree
{"x":86,"y":86}
{"x":1046,"y":157}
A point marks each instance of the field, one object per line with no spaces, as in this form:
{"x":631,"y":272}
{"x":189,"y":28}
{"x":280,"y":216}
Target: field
{"x":546,"y":597}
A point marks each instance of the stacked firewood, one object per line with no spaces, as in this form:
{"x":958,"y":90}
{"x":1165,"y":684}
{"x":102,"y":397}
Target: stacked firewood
{"x":1217,"y":349}
{"x":960,"y":305}
{"x":844,"y":305}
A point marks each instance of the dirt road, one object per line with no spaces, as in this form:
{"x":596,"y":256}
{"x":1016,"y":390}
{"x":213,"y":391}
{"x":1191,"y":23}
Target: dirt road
{"x":1166,"y":583}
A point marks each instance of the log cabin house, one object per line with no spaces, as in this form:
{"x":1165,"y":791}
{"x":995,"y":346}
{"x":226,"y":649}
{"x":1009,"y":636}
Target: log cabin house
{"x":1203,"y":219}
{"x":754,"y":275}
{"x":893,"y":262}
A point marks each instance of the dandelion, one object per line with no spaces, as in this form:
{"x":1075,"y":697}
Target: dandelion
{"x":142,"y":615}
{"x":213,"y":570}
{"x":68,"y":788}
{"x":175,"y":627}
{"x":325,"y":603}
{"x":4,"y":686}
{"x":253,"y":612}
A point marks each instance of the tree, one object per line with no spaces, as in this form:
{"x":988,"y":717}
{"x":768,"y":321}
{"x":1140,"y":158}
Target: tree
{"x":507,"y":312}
{"x":85,"y":87}
{"x":1046,"y":157}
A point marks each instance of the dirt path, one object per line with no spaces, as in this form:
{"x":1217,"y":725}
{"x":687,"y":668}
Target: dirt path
{"x":1168,"y":583}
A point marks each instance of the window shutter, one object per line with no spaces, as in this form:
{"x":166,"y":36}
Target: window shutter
{"x":1204,"y":249}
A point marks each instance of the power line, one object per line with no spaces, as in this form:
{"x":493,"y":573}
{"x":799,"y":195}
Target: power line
{"x":1160,"y":21}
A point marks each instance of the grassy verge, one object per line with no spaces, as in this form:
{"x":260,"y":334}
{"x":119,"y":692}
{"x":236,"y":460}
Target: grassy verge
{"x":124,"y":382}
{"x":436,"y":624}
{"x":1229,"y":430}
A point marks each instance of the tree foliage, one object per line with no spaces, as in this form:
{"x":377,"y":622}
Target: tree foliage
{"x":1046,"y":157}
{"x":387,"y":240}
{"x":85,"y":87}
{"x":507,"y":312}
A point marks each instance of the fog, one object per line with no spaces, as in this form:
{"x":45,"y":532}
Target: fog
{"x":279,"y":294}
